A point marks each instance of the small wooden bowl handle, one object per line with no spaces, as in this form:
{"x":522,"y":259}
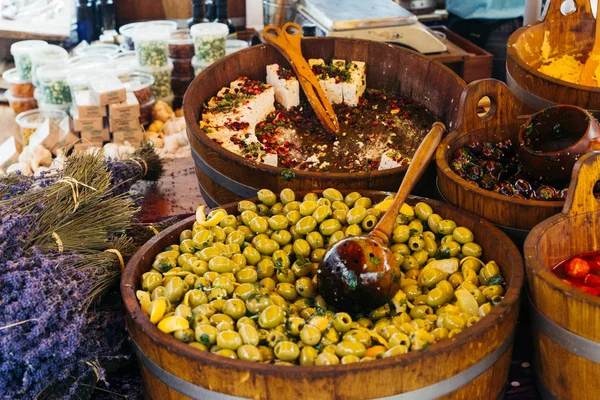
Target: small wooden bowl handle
{"x":502,"y":110}
{"x":551,"y":12}
{"x":580,"y":196}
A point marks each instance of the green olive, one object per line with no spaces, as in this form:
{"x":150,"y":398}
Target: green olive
{"x":486,"y":272}
{"x":308,"y":208}
{"x":340,"y":216}
{"x":368,"y":223}
{"x":332,"y":195}
{"x":452,"y":322}
{"x":356,"y":215}
{"x":415,"y":227}
{"x":301,"y":248}
{"x":294,"y":325}
{"x":342,"y":322}
{"x":278,"y":222}
{"x":164,"y":264}
{"x":310,"y":197}
{"x":353,"y":230}
{"x":472,"y":250}
{"x":282,"y":237}
{"x":271,"y":316}
{"x":401,"y":234}
{"x":248,"y":234}
{"x":315,"y":240}
{"x":287,"y":195}
{"x":186,"y":234}
{"x":206,"y":334}
{"x":339,"y":205}
{"x":235,"y":308}
{"x":433,"y":222}
{"x":430,"y":277}
{"x":306,"y":225}
{"x":277,"y":208}
{"x":350,"y":348}
{"x":249,"y":352}
{"x":423,"y":211}
{"x":291,"y":206}
{"x":287,"y":351}
{"x":321,"y":213}
{"x":221,"y":264}
{"x":246,"y":205}
{"x":308,"y":355}
{"x":410,"y":263}
{"x":236,"y":237}
{"x":229,"y":221}
{"x":151,"y":280}
{"x":327,"y":358}
{"x":265,"y":268}
{"x":287,"y":291}
{"x":229,"y":340}
{"x":301,"y":268}
{"x":187,"y":246}
{"x":267,"y":197}
{"x":358,"y":336}
{"x":335,"y":236}
{"x":462,"y":235}
{"x":416,"y":243}
{"x":174,"y":289}
{"x":420,"y":311}
{"x":317,"y":255}
{"x":219,"y":234}
{"x":329,"y":227}
{"x":310,"y":335}
{"x":364,"y":202}
{"x":305,"y":288}
{"x":446,"y":227}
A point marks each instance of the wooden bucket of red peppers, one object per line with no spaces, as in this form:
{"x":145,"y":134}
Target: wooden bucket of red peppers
{"x":562,"y":256}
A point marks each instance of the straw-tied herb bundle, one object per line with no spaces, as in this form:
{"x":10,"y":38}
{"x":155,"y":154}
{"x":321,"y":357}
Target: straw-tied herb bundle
{"x":64,"y":239}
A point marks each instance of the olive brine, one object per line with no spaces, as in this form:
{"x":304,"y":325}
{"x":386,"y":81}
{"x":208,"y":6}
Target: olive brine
{"x":245,"y":286}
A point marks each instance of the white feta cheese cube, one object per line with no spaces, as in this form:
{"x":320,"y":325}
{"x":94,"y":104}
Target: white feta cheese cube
{"x":387,"y":163}
{"x":355,"y":88}
{"x":270,"y":159}
{"x":287,"y":91}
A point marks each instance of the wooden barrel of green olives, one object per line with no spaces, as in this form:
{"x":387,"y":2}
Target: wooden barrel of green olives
{"x":557,"y":34}
{"x":566,"y":320}
{"x":499,"y":124}
{"x":225,"y":177}
{"x":472,"y":364}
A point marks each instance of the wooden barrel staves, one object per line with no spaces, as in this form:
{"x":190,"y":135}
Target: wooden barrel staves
{"x":225,"y":177}
{"x":566,"y":320}
{"x":498,"y":124}
{"x":571,"y":34}
{"x":472,"y":365}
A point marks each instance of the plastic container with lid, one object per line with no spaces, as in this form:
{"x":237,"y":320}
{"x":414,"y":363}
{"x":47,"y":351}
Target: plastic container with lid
{"x":199,"y":66}
{"x":162,"y":79}
{"x":209,"y":40}
{"x":29,"y":121}
{"x":125,"y":62}
{"x":181,"y":45}
{"x":126,"y":31}
{"x":20,"y":88}
{"x":233,"y":45}
{"x":21,"y":51}
{"x":20,"y":104}
{"x":53,"y":83}
{"x":110,"y":50}
{"x":152,"y":46}
{"x":50,"y":54}
{"x":91,"y":61}
{"x":53,"y":107}
{"x":146,"y":111}
{"x":182,"y":67}
{"x":180,"y":85}
{"x":79,"y":78}
{"x":140,"y":83}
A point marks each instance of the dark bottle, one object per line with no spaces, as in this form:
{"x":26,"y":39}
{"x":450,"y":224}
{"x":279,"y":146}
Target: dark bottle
{"x":309,"y":30}
{"x":85,"y":21}
{"x":197,"y":13}
{"x":98,"y":18}
{"x":223,"y":15}
{"x":108,"y":15}
{"x":211,"y":10}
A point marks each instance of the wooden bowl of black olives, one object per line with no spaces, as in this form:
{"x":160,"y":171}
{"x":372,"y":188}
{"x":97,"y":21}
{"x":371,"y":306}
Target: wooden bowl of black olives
{"x":479,"y":168}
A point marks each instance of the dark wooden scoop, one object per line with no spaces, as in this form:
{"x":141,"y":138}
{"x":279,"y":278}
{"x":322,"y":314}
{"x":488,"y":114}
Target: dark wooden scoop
{"x":360,"y":273}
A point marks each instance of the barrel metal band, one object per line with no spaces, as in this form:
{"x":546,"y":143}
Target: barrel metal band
{"x":430,"y":392}
{"x":212,"y":203}
{"x":572,"y":342}
{"x":233,"y":186}
{"x":525,"y":96}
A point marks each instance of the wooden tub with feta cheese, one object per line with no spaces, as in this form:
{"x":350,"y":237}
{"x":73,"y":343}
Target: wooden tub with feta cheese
{"x":229,"y":118}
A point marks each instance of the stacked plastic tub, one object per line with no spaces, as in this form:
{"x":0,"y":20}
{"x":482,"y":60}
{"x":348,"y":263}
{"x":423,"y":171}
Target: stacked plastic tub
{"x":152,"y":51}
{"x":209,"y":44}
{"x":181,"y":52}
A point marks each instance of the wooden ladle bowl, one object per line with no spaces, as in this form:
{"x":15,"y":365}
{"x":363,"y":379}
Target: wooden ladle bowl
{"x":552,"y":140}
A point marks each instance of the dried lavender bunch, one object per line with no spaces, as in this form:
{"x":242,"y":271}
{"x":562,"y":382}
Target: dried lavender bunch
{"x":144,"y":164}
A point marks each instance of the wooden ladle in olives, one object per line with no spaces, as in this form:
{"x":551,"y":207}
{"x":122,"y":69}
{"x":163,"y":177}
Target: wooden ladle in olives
{"x":360,"y":273}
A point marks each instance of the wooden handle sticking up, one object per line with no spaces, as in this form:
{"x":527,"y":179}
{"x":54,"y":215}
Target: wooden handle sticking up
{"x":418,"y":165}
{"x":589,"y":70}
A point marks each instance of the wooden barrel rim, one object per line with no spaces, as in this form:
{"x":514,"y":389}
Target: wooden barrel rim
{"x":443,"y":166}
{"x":184,"y":350}
{"x":194,"y":128}
{"x":513,"y":54}
{"x":543,"y":271}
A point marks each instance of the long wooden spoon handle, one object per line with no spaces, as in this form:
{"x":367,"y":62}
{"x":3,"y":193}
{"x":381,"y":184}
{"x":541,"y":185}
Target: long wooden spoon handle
{"x":418,"y":165}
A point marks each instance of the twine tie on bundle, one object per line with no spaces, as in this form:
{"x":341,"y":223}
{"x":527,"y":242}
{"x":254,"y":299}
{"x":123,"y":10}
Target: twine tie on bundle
{"x":118,"y":253}
{"x":74,"y":183}
{"x":140,"y":163}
